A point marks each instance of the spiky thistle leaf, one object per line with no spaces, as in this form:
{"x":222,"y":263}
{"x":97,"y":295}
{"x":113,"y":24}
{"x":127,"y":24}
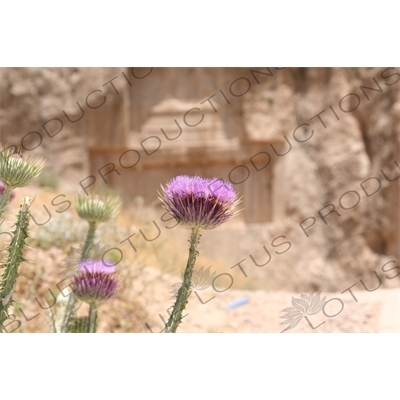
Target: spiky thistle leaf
{"x":14,"y":259}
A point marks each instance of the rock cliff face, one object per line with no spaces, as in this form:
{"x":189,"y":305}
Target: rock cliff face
{"x":314,"y":151}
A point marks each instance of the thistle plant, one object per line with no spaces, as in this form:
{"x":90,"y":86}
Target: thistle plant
{"x":94,"y":210}
{"x":95,"y":282}
{"x":197,"y":203}
{"x":17,"y":170}
{"x":15,"y":257}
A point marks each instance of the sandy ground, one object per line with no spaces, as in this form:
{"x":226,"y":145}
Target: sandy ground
{"x":260,"y":311}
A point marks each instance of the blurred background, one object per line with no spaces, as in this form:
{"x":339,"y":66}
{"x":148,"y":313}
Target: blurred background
{"x":299,"y":144}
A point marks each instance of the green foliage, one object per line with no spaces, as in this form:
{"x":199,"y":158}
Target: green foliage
{"x":79,"y":325}
{"x":48,"y":180}
{"x":62,"y":231}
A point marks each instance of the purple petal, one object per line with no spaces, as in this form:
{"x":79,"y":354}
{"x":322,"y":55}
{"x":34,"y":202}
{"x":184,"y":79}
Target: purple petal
{"x":96,"y":266}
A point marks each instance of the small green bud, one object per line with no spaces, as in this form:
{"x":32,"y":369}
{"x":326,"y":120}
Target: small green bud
{"x":95,"y":209}
{"x":18,"y":170}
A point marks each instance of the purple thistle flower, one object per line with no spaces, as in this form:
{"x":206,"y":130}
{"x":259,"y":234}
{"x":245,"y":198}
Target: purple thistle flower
{"x":96,"y":266}
{"x":3,"y":188}
{"x":95,"y":287}
{"x":199,"y":202}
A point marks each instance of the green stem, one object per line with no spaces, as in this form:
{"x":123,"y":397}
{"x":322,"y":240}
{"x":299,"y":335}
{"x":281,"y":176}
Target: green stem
{"x":184,"y":291}
{"x":92,"y":318}
{"x":89,"y":240}
{"x":68,"y":313}
{"x":5,"y":198}
{"x":15,"y":257}
{"x":69,"y":309}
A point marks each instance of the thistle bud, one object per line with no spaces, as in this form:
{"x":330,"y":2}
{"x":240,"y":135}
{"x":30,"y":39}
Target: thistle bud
{"x":17,"y":170}
{"x":95,"y":209}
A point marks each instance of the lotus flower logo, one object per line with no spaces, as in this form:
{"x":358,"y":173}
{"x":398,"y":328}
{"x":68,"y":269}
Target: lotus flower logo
{"x":306,"y":305}
{"x":201,"y":279}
